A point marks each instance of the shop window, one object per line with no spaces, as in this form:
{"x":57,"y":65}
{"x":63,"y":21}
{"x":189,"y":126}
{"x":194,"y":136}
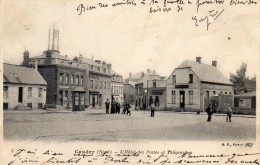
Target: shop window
{"x":191,"y":97}
{"x":30,"y":92}
{"x":6,"y":92}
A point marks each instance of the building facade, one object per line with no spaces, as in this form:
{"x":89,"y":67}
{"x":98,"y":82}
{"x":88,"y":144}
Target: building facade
{"x":142,"y":95}
{"x":99,"y":80}
{"x":192,"y":84}
{"x":117,"y":88}
{"x":23,"y":88}
{"x":129,"y":94}
{"x":157,"y":93}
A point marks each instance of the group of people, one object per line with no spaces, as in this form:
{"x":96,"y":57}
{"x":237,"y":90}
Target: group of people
{"x":211,"y":110}
{"x":116,"y":107}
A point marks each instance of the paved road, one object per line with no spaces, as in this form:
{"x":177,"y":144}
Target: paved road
{"x":95,"y":125}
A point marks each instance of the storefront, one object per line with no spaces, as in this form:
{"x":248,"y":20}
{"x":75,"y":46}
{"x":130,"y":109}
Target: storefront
{"x":158,"y":97}
{"x":95,"y":99}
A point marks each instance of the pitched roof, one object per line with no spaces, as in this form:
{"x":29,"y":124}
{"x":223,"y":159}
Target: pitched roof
{"x":89,"y":61}
{"x":205,"y":72}
{"x":22,"y":75}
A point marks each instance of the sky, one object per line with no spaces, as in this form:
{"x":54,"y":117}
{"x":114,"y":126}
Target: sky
{"x":130,"y":38}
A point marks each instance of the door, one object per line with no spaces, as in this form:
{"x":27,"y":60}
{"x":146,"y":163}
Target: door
{"x":20,"y":95}
{"x":182,"y":99}
{"x":93,"y":100}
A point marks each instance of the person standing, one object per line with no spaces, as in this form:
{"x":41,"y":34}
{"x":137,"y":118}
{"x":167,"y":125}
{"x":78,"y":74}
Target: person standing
{"x":229,"y":114}
{"x":107,"y":106}
{"x":152,"y":109}
{"x":209,"y":112}
{"x":128,"y":111}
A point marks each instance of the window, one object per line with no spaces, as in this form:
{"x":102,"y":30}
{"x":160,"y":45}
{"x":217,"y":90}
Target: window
{"x":6,"y":92}
{"x":100,"y":84}
{"x":191,"y":78}
{"x":108,"y":85}
{"x":154,"y":84}
{"x":174,"y":79}
{"x":221,"y":92}
{"x":173,"y":97}
{"x":67,"y":79}
{"x":77,"y":79}
{"x":72,"y":79}
{"x":81,"y":80}
{"x":91,"y":83}
{"x":30,"y":92}
{"x":230,"y":93}
{"x":98,"y":69}
{"x":91,"y":67}
{"x":39,"y":92}
{"x":96,"y":84}
{"x":191,"y":97}
{"x":105,"y":85}
{"x":214,"y":92}
{"x":207,"y":94}
{"x":61,"y":77}
{"x":225,"y":93}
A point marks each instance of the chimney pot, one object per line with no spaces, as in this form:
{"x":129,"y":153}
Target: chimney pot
{"x":98,"y":61}
{"x":198,"y":59}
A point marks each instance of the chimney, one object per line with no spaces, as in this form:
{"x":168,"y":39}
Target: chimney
{"x":198,"y":59}
{"x":104,"y":63}
{"x":36,"y":65}
{"x":148,"y":71}
{"x":130,"y":75}
{"x":48,"y":57}
{"x":26,"y":58}
{"x":109,"y":66}
{"x":142,"y":74}
{"x":98,"y":61}
{"x":214,"y":63}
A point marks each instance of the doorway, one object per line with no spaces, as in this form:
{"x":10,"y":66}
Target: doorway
{"x":20,"y":95}
{"x":182,"y":99}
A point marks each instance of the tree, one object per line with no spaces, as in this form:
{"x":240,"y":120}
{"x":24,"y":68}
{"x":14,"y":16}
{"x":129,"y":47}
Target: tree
{"x":241,"y":82}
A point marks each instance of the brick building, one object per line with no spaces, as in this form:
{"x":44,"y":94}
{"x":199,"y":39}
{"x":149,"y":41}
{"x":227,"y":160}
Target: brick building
{"x":192,"y":84}
{"x":66,"y":80}
{"x":23,"y":88}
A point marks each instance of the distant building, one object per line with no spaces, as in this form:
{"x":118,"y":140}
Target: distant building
{"x":117,"y":87}
{"x":192,"y":84}
{"x":129,"y":94}
{"x":23,"y":88}
{"x":157,"y":93}
{"x":142,"y":95}
{"x":246,"y":100}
